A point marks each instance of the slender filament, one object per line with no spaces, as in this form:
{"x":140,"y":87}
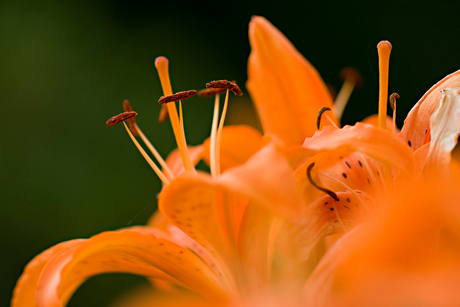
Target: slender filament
{"x":155,"y":153}
{"x":219,"y":133}
{"x":213,"y":147}
{"x":147,"y":158}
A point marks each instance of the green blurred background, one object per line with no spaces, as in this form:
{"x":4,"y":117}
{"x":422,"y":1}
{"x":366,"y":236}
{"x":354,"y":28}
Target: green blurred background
{"x":66,"y":66}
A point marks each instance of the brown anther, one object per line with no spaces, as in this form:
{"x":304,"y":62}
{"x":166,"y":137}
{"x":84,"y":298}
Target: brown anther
{"x":353,"y":74}
{"x":226,"y":85}
{"x":211,"y":92}
{"x":120,"y":118}
{"x":177,"y":96}
{"x":393,"y":98}
{"x":131,"y":121}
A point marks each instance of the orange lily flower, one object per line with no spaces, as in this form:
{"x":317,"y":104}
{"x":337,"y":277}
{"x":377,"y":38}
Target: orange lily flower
{"x":216,"y":232}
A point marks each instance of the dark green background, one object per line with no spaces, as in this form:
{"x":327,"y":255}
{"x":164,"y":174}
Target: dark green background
{"x":66,"y":66}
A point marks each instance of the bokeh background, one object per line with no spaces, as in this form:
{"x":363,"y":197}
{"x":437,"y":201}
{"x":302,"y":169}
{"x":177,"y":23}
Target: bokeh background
{"x":66,"y":66}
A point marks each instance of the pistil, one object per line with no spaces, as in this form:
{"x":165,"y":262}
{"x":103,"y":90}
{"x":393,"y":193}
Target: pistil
{"x":384,"y":50}
{"x":138,"y":132}
{"x":162,"y":66}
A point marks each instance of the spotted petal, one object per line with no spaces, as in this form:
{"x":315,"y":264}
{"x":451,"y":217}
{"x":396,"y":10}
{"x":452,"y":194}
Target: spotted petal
{"x":377,"y":143}
{"x":127,"y":251}
{"x":237,"y":145}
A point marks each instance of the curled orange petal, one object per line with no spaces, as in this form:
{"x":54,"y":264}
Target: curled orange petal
{"x":417,"y":123}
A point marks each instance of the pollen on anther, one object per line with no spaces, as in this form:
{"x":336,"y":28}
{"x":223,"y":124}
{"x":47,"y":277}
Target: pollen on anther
{"x":120,"y":118}
{"x":211,"y":92}
{"x":226,"y":85}
{"x":177,"y":96}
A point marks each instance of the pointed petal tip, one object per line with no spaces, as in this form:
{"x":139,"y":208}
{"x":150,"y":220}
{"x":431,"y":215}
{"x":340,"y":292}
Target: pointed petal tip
{"x":259,"y":24}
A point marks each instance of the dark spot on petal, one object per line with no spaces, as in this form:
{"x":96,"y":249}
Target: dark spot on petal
{"x":378,"y":173}
{"x":409,"y":143}
{"x":348,"y":200}
{"x":347,"y":207}
{"x":360,"y":164}
{"x":341,"y":157}
{"x":368,"y":181}
{"x":344,"y":175}
{"x":326,"y":203}
{"x":357,"y":206}
{"x":426,"y":131}
{"x":348,"y":164}
{"x":332,"y":209}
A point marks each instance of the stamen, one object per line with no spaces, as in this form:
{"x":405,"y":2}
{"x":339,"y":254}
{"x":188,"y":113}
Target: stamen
{"x":177,"y":96}
{"x":147,"y":158}
{"x":329,"y":192}
{"x":208,"y":92}
{"x":138,"y":132}
{"x":320,"y":113}
{"x":219,"y":133}
{"x":132,"y":120}
{"x":352,"y":78}
{"x":162,"y":66}
{"x":154,"y":152}
{"x":120,"y":118}
{"x":213,"y":147}
{"x":393,"y":98}
{"x":384,"y":50}
{"x":225,"y":84}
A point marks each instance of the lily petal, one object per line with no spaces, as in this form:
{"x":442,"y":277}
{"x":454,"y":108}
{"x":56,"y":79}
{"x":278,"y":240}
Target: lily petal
{"x":323,"y":217}
{"x":287,"y":90}
{"x":401,"y":239}
{"x":200,"y":208}
{"x":255,"y":244}
{"x":445,"y":128}
{"x":268,"y":180}
{"x":237,"y":145}
{"x":24,"y":292}
{"x":125,"y":251}
{"x":174,"y":160}
{"x":377,"y":143}
{"x":416,"y":126}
